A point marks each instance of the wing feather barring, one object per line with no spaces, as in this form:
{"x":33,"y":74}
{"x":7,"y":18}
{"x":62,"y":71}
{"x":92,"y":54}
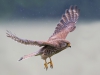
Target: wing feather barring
{"x":57,"y":41}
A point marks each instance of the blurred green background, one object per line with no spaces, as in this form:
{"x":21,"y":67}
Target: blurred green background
{"x":36,"y":20}
{"x":32,"y":9}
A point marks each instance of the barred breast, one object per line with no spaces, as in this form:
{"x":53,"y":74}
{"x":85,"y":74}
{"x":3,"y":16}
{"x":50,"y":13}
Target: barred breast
{"x":49,"y":51}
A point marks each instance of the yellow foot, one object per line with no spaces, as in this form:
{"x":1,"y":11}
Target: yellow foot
{"x":45,"y":65}
{"x":51,"y":64}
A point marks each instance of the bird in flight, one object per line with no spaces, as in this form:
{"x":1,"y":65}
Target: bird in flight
{"x":57,"y":42}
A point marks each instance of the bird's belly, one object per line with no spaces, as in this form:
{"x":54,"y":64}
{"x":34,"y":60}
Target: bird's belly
{"x":53,"y":52}
{"x":50,"y":51}
{"x":56,"y":51}
{"x":44,"y":56}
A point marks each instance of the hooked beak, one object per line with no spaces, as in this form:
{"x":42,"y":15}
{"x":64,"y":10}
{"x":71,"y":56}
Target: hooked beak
{"x":69,"y":45}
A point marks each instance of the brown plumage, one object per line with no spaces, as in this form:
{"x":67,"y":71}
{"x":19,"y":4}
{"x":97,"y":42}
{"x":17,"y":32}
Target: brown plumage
{"x":57,"y":42}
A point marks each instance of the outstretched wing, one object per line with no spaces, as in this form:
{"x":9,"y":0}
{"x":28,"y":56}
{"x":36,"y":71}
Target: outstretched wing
{"x":28,"y":42}
{"x":67,"y":23}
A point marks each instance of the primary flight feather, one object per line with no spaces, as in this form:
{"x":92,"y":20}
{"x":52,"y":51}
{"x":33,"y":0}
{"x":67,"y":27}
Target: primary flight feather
{"x":57,"y":42}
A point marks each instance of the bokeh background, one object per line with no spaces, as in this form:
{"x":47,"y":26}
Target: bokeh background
{"x":36,"y":20}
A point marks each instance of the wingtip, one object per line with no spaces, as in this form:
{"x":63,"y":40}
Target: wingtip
{"x":7,"y":33}
{"x":76,"y":8}
{"x":71,"y":7}
{"x":66,"y":11}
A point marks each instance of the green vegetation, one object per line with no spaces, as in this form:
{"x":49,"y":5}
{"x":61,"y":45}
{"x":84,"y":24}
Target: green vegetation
{"x":28,"y":9}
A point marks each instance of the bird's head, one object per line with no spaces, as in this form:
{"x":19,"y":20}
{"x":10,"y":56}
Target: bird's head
{"x":65,"y":44}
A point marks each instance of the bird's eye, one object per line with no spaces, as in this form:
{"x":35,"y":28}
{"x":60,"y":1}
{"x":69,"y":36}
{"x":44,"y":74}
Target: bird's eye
{"x":64,"y":44}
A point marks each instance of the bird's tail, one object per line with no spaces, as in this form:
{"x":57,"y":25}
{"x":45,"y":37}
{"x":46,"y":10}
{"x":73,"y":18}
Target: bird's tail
{"x":28,"y":56}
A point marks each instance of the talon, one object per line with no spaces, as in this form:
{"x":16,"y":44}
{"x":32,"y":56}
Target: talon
{"x":45,"y":65}
{"x":51,"y":64}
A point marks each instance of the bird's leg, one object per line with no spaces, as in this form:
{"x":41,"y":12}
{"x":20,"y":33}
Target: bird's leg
{"x":46,"y":64}
{"x":51,"y":64}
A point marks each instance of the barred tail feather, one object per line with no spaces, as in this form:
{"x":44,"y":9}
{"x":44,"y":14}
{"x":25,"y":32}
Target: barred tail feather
{"x":27,"y":56}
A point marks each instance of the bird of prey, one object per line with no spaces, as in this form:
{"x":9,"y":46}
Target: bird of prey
{"x":57,"y":42}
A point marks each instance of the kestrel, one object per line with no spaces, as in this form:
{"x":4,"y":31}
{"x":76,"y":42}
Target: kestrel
{"x":57,"y":42}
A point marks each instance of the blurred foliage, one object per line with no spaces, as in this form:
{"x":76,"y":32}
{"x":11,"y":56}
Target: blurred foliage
{"x":28,"y":9}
